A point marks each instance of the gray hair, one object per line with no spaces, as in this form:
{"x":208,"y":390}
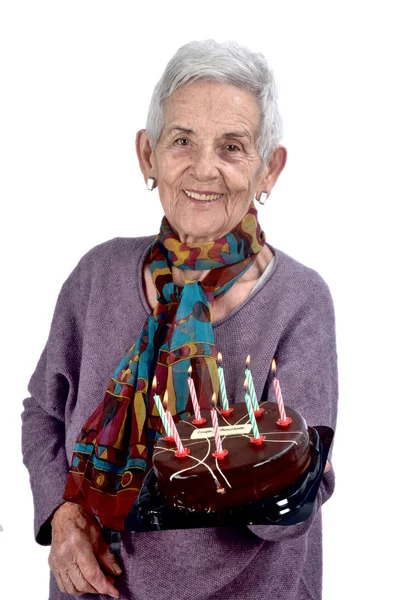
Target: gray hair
{"x":226,"y":63}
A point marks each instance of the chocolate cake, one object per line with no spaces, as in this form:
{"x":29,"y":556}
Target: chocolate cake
{"x":203,"y":483}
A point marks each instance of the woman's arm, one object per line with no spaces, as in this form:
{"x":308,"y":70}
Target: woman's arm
{"x":43,"y":449}
{"x":307,"y":370}
{"x":78,"y":550}
{"x":52,"y":386}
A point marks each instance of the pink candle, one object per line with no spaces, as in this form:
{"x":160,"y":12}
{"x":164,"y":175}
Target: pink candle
{"x":199,"y":420}
{"x":181,"y":451}
{"x":284,"y":420}
{"x":219,"y":453}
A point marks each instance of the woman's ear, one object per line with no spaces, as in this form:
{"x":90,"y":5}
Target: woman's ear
{"x":145,"y":154}
{"x":273,"y":168}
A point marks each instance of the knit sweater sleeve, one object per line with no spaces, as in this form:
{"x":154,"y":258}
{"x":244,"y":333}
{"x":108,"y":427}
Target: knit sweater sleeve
{"x":307,"y":370}
{"x":52,"y":387}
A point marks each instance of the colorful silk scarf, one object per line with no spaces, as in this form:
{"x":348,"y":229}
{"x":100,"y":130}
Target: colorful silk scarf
{"x":111,"y":454}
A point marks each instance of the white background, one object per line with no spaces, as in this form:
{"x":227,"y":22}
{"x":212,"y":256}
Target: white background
{"x":76,"y":80}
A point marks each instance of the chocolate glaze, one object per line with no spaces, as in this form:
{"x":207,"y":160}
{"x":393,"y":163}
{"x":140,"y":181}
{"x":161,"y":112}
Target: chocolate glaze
{"x":249,"y":472}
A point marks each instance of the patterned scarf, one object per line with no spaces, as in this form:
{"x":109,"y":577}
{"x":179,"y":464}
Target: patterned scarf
{"x":111,"y":454}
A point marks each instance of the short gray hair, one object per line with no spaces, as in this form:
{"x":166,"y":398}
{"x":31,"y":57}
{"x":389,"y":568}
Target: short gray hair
{"x":226,"y":63}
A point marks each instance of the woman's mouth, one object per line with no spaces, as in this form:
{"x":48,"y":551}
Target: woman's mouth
{"x":204,"y":197}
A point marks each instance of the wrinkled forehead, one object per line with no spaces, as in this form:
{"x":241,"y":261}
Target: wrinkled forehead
{"x":209,"y":108}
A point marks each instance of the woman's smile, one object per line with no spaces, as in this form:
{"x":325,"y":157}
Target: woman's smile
{"x":202,"y":196}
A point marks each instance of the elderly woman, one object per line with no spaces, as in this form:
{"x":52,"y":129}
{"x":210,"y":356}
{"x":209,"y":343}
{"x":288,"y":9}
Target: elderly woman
{"x":208,"y":281}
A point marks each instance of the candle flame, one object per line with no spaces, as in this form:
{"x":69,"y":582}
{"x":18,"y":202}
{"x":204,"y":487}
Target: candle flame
{"x":190,"y":370}
{"x":273,"y":366}
{"x":219,"y":357}
{"x":165,"y":401}
{"x":248,"y":361}
{"x":214,"y":399}
{"x":245,"y":385}
{"x":154,"y":386}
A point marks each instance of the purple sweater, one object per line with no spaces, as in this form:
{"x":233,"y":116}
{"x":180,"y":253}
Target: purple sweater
{"x":99,"y":314}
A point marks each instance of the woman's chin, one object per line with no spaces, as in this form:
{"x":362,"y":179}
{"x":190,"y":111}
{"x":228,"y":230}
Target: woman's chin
{"x":198,"y":224}
{"x":201,"y":232}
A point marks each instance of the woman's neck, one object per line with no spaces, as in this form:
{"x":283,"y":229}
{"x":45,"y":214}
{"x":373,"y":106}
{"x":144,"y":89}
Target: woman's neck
{"x":237,"y":294}
{"x":180,"y":276}
{"x":265,"y":255}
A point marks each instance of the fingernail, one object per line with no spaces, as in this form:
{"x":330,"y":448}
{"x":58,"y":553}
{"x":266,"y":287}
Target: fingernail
{"x":117,"y":570}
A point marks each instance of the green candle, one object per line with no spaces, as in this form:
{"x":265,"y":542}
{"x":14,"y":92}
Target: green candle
{"x":161,"y":410}
{"x":250,"y":409}
{"x":249,"y":378}
{"x":222,"y":389}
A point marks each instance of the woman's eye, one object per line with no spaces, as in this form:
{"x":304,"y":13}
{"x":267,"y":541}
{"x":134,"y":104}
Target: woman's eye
{"x":182,"y":141}
{"x":232,"y":148}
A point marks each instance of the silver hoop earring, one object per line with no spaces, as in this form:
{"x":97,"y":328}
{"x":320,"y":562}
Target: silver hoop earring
{"x":263,"y":197}
{"x":151,"y":184}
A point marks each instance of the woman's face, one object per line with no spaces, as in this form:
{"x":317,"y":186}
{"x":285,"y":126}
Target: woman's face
{"x":205,"y":163}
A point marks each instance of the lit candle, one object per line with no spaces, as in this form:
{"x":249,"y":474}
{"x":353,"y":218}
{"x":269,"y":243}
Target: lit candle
{"x":199,"y":420}
{"x":284,"y":420}
{"x":161,"y":412}
{"x":257,"y":410}
{"x":219,"y":453}
{"x":180,"y":451}
{"x":257,"y":438}
{"x":222,"y":389}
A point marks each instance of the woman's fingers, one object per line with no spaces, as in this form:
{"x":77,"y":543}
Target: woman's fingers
{"x":84,"y":577}
{"x":327,"y":467}
{"x":59,"y":581}
{"x":69,"y":578}
{"x":75,"y":537}
{"x":69,"y":585}
{"x":78,"y":580}
{"x":106,"y":558}
{"x":94,"y":576}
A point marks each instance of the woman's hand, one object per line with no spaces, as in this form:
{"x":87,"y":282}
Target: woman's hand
{"x":327,"y":467}
{"x":79,"y":553}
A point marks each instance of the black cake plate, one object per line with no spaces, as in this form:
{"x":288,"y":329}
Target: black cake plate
{"x":293,"y":505}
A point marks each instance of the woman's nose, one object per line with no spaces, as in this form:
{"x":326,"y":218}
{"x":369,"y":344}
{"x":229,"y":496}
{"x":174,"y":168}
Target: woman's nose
{"x":205,"y":164}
